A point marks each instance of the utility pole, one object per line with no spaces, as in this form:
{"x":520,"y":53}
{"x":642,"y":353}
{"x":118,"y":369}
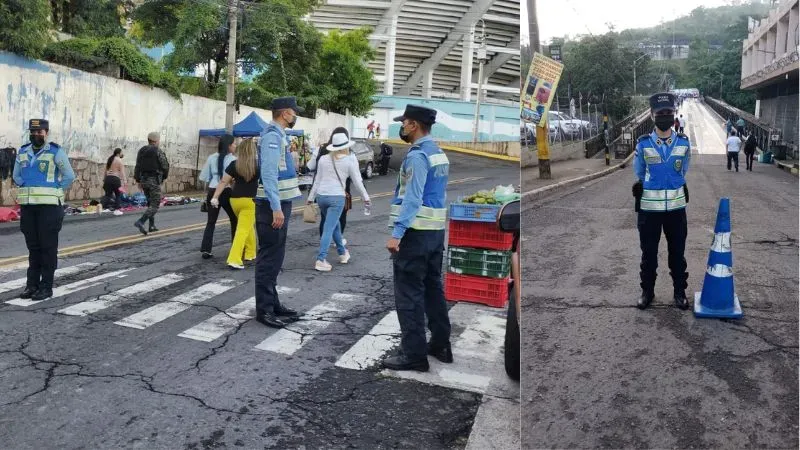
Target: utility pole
{"x":481,"y":62}
{"x":233,"y":10}
{"x":542,"y":130}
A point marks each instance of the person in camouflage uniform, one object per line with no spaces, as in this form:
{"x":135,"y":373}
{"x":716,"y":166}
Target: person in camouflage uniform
{"x":152,"y":168}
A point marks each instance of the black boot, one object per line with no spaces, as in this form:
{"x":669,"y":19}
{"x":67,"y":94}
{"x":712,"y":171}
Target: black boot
{"x":285,"y":312}
{"x":645,"y":300}
{"x":401,"y":362}
{"x":28,"y":292}
{"x":140,"y":225}
{"x":270,"y":320}
{"x":42,"y":293}
{"x":681,"y":301}
{"x":443,"y":353}
{"x":153,"y":225}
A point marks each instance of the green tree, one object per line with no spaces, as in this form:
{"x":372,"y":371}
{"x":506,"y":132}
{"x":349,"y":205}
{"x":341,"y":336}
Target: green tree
{"x":90,"y":18}
{"x":24,"y":26}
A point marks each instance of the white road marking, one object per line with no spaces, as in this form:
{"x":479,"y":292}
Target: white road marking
{"x":175,"y":305}
{"x":222,"y":323}
{"x":13,"y":267}
{"x":64,"y":272}
{"x":104,"y":301}
{"x":72,"y":287}
{"x":365,"y":353}
{"x":292,"y":338}
{"x":483,"y":340}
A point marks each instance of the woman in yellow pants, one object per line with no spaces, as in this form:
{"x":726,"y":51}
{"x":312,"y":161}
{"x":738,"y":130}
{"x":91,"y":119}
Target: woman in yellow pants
{"x":244,"y":174}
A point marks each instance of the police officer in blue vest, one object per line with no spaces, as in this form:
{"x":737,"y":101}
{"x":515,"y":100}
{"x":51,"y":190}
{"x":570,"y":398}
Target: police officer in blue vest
{"x":42,"y":172}
{"x":418,"y":215}
{"x":660,"y":164}
{"x":278,"y":187}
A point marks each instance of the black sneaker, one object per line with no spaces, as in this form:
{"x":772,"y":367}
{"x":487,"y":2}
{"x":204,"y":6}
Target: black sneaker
{"x":140,"y":226}
{"x":443,"y":353}
{"x":401,"y":362}
{"x":42,"y":294}
{"x":28,"y":292}
{"x":153,"y":229}
{"x":285,"y":312}
{"x":208,"y":255}
{"x":645,"y":300}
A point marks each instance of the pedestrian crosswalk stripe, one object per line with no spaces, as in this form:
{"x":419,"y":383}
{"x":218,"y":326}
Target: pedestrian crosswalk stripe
{"x":178,"y":304}
{"x":63,"y":272}
{"x":482,"y":339}
{"x":366,"y":351}
{"x":290,"y":339}
{"x":104,"y":301}
{"x":73,"y":287}
{"x":222,"y":323}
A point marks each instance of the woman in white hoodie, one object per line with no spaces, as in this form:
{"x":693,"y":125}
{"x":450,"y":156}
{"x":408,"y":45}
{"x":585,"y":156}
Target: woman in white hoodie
{"x":328,"y":190}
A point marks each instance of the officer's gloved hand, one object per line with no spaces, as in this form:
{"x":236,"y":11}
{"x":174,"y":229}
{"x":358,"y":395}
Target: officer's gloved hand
{"x":638,"y":189}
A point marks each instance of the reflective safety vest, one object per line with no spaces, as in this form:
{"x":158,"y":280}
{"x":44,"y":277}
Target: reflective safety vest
{"x":432,"y":214}
{"x":288,"y":184}
{"x":41,"y":184}
{"x":663,"y":181}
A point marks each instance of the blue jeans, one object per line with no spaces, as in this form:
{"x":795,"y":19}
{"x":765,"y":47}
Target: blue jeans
{"x":330,"y":207}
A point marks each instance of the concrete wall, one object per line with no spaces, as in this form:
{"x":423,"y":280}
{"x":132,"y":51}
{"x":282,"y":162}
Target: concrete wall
{"x":92,"y":114}
{"x":508,"y":148}
{"x":558,"y":152}
{"x":454,"y":119}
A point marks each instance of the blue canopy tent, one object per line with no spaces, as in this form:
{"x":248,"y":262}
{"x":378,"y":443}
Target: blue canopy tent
{"x":251,"y":126}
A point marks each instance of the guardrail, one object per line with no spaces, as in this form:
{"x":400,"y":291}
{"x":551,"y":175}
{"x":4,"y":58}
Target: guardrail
{"x":767,"y":137}
{"x":634,"y":121}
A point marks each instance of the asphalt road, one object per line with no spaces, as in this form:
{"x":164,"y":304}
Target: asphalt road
{"x":146,"y":345}
{"x":597,"y":372}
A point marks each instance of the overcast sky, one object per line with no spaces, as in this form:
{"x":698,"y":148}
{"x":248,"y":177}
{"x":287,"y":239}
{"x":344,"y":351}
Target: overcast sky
{"x":573,"y":17}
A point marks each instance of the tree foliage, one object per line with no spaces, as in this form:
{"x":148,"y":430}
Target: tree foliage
{"x":90,"y":18}
{"x":24,"y":26}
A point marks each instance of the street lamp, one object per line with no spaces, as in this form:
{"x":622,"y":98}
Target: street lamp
{"x":634,"y":70}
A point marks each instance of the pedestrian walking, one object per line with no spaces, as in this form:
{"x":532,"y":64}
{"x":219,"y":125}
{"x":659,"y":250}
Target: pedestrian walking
{"x":279,"y":186}
{"x":378,"y":131}
{"x":750,"y":150}
{"x":371,"y":130}
{"x":314,"y":164}
{"x":330,"y":193}
{"x":661,"y":162}
{"x":732,"y":146}
{"x":728,"y":126}
{"x":43,"y":173}
{"x":417,"y":217}
{"x":676,"y":125}
{"x":243,"y":172}
{"x":114,"y":180}
{"x":740,"y":126}
{"x":212,"y":172}
{"x":152,"y":168}
{"x":682,"y":125}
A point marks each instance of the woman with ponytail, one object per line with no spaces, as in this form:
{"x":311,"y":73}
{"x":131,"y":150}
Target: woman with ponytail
{"x":211,"y":174}
{"x":114,"y":180}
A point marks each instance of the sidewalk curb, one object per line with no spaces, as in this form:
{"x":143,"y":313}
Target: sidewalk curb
{"x":791,"y":168}
{"x":466,"y":151}
{"x":536,"y":193}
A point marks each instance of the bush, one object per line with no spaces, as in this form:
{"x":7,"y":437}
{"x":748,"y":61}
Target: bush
{"x":91,"y":54}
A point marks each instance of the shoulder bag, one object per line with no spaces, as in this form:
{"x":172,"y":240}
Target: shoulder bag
{"x":348,"y":200}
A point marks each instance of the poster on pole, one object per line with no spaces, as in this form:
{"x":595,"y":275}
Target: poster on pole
{"x":539,"y":89}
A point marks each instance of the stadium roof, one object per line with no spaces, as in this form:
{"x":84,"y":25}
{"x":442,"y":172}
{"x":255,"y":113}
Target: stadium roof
{"x":430,"y":37}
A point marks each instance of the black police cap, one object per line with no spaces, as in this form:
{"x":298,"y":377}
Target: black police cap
{"x":418,"y":113}
{"x":662,"y":101}
{"x":38,"y":124}
{"x":285,"y":103}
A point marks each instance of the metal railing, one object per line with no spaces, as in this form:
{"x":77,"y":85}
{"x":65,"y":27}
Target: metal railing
{"x":767,"y":136}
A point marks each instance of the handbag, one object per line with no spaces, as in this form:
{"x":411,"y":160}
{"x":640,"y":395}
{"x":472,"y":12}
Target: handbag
{"x":348,"y":200}
{"x":204,"y":206}
{"x":310,"y":213}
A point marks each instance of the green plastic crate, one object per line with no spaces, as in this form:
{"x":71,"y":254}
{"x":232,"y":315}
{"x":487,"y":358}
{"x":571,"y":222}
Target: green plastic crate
{"x":484,"y":263}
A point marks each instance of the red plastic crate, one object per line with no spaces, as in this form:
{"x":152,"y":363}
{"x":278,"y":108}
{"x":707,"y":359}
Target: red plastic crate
{"x":478,"y":235}
{"x":469,"y":288}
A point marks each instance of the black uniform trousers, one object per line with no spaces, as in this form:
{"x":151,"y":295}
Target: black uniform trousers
{"x":41,"y":224}
{"x":675,"y":228}
{"x":733,"y":156}
{"x":418,"y":292}
{"x":271,"y":252}
{"x":213,"y":214}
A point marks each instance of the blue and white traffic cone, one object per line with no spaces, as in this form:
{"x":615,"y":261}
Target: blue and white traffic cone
{"x":718,"y":298}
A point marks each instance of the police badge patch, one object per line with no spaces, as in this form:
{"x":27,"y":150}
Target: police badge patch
{"x":678,"y":164}
{"x":43,"y":167}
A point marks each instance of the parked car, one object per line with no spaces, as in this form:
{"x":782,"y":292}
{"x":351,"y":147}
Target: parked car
{"x":366,"y":159}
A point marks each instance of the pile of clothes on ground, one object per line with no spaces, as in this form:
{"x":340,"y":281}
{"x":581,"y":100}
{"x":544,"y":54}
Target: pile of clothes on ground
{"x":133,"y":202}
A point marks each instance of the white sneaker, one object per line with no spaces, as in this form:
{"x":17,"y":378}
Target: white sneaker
{"x":236,"y":266}
{"x":344,"y":259}
{"x":333,"y":243}
{"x":323,"y":266}
{"x":117,"y":212}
